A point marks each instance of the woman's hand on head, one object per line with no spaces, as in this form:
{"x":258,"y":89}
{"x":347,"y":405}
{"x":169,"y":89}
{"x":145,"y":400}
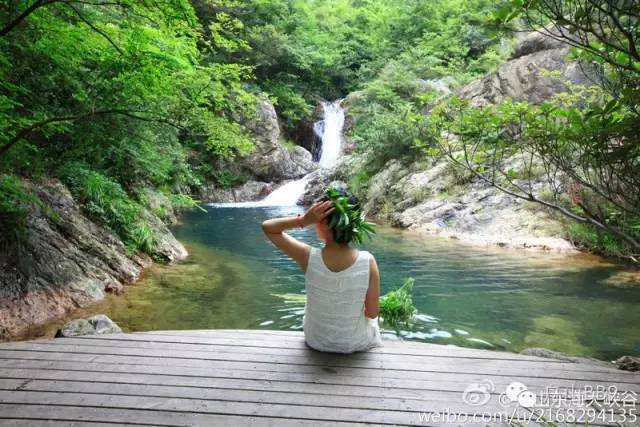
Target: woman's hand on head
{"x":317,"y":212}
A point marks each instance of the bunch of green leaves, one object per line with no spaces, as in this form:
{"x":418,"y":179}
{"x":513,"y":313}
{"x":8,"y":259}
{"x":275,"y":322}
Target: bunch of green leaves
{"x":396,"y":306}
{"x":348,"y":221}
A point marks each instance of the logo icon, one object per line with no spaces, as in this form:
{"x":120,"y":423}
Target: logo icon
{"x":518,"y":392}
{"x":477,"y":394}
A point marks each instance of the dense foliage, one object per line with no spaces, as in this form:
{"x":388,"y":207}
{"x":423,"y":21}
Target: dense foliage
{"x":304,"y":51}
{"x":109,"y":96}
{"x":113,"y":97}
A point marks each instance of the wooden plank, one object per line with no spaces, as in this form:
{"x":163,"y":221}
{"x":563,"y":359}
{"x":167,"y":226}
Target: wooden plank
{"x":232,"y":332}
{"x":486,"y":367}
{"x":435,"y":381}
{"x":128,"y":416}
{"x":12,"y":422}
{"x":380,"y":402}
{"x":214,"y":407}
{"x":389,"y":347}
{"x":406,"y":361}
{"x":226,"y":377}
{"x":373,"y":404}
{"x":64,"y":371}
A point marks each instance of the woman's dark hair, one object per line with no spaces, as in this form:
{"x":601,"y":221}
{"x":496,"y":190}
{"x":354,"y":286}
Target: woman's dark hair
{"x":341,"y":235}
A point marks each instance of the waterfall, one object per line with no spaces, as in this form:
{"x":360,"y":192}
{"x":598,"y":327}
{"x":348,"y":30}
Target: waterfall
{"x":288,"y":194}
{"x":329,"y":131}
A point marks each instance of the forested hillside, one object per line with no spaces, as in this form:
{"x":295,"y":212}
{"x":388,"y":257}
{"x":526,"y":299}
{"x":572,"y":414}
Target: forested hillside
{"x":112,"y":97}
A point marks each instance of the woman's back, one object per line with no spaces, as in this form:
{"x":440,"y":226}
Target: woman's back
{"x":334,"y":318}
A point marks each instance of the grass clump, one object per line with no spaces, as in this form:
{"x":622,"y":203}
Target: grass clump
{"x":103,"y":198}
{"x":396,"y":307}
{"x":15,"y":201}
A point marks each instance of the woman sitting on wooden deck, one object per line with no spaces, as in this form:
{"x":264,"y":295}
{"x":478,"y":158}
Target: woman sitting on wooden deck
{"x":342,"y":283}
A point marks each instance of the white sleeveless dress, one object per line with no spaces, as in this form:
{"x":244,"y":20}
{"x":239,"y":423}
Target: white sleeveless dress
{"x":334,"y":319}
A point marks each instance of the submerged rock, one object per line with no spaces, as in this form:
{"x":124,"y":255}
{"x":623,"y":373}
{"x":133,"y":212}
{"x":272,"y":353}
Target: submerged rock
{"x":94,"y":325}
{"x":551,"y":354}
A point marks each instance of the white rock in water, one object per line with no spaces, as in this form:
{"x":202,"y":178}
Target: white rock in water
{"x":94,"y":325}
{"x":479,"y":341}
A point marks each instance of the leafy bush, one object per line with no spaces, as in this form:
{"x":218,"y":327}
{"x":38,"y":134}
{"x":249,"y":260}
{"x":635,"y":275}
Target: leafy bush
{"x":396,"y":306}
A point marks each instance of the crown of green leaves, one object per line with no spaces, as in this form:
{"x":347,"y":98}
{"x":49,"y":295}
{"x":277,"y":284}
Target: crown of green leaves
{"x":348,"y":221}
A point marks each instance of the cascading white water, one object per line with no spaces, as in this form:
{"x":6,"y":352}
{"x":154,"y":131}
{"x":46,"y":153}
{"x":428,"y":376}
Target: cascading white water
{"x":329,"y":130}
{"x":287,"y":195}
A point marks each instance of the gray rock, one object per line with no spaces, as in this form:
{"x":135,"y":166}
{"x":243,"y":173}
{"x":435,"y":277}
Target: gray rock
{"x":94,"y":325}
{"x":271,"y":160}
{"x":334,"y":176}
{"x":383,"y":187}
{"x":167,"y":247}
{"x":629,"y":363}
{"x":248,"y":192}
{"x":442,"y":85}
{"x":160,"y":205}
{"x":302,"y":157}
{"x":538,"y":41}
{"x":435,"y":199}
{"x":521,"y":79}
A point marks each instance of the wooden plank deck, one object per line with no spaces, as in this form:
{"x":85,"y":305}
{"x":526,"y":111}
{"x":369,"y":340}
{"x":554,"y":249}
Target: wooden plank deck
{"x":260,"y":377}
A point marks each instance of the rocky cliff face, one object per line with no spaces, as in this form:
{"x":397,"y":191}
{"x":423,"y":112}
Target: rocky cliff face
{"x":65,"y":261}
{"x":431,"y":196}
{"x":521,"y":78}
{"x":272,"y":160}
{"x":270,"y":163}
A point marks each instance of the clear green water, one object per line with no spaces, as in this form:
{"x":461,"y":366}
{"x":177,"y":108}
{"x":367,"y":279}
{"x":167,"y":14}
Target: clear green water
{"x":468,"y":296}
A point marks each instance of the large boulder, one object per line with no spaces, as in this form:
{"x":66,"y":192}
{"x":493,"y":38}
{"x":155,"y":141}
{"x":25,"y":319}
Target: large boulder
{"x":336,"y":176}
{"x":160,"y":205}
{"x":433,"y":197}
{"x":537,"y":41}
{"x":272,"y":160}
{"x":167,"y":247}
{"x":522,"y":79}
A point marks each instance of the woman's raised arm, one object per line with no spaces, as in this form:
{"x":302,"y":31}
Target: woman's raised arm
{"x":298,"y":251}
